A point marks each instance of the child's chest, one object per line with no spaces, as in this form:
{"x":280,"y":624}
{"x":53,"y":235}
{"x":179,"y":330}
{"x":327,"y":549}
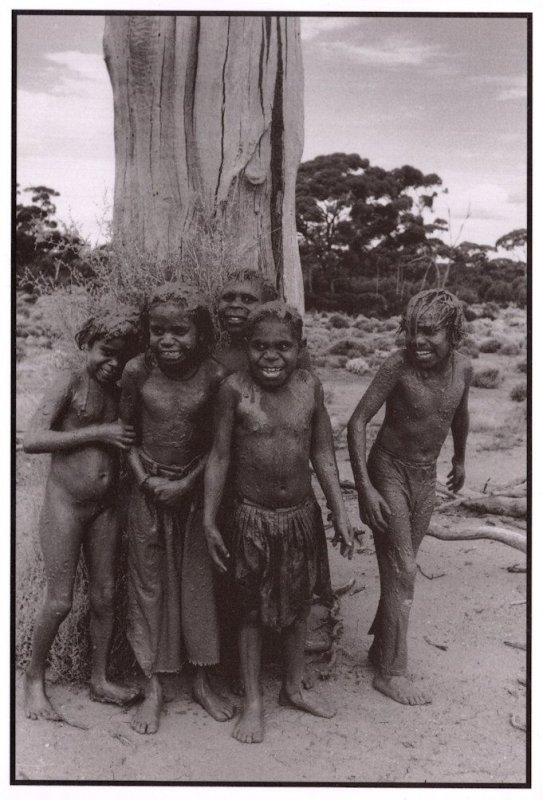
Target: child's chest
{"x":91,"y":404}
{"x":427,"y":395}
{"x":276,"y":413}
{"x":164,"y":399}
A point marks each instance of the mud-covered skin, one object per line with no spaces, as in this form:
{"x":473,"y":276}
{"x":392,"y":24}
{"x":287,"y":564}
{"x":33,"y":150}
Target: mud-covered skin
{"x":270,"y":422}
{"x":425,"y":387}
{"x":167,"y":394}
{"x":420,"y":404}
{"x":172,"y":417}
{"x":75,"y":422}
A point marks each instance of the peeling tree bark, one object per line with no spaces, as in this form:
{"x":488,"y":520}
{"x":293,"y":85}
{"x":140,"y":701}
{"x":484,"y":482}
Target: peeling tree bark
{"x":209,"y":110}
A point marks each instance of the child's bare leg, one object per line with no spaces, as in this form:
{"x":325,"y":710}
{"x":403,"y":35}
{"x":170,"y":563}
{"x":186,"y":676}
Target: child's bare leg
{"x":100,"y":547}
{"x":292,"y":691}
{"x":218,"y":707}
{"x":61,"y":531}
{"x":147,"y":717}
{"x":250,"y":726}
{"x":398,"y":570}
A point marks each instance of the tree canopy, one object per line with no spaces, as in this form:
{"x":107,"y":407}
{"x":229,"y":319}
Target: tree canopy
{"x":369,"y":238}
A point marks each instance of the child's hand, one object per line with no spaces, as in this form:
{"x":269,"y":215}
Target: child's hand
{"x":218,"y":552}
{"x":456,"y":477}
{"x":118,"y":435}
{"x":374,"y":511}
{"x":344,"y":537}
{"x":166,"y":492}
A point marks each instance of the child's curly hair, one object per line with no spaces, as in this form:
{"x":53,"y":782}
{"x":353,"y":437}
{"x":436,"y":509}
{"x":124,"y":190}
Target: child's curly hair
{"x":266,"y":289}
{"x":190,"y":300}
{"x":276,"y":309}
{"x":439,"y":306}
{"x":111,"y":321}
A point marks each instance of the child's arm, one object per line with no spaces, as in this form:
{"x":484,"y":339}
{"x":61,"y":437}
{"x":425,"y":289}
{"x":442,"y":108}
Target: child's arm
{"x":460,"y":429}
{"x":324,"y":462}
{"x":216,"y":471}
{"x":41,"y":438}
{"x":373,"y":509}
{"x":128,"y":415}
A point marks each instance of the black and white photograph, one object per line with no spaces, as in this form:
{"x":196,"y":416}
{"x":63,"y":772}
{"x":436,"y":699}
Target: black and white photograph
{"x":271,"y":352}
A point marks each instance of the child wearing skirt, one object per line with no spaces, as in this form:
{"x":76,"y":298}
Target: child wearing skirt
{"x":270,"y":422}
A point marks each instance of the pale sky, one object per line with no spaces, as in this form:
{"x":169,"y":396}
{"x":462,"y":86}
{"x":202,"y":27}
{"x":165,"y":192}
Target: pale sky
{"x":446,"y":95}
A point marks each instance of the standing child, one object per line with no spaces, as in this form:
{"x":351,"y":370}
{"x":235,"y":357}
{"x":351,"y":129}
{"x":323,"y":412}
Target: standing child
{"x":77,"y":423}
{"x":425,"y":386}
{"x":167,"y":394}
{"x":243,"y":292}
{"x":270,"y":422}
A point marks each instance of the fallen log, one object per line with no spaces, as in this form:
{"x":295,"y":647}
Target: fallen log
{"x":502,"y":506}
{"x":498,"y":505}
{"x":512,"y":538}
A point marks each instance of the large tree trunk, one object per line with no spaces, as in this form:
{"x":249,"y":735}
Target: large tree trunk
{"x":209,"y":114}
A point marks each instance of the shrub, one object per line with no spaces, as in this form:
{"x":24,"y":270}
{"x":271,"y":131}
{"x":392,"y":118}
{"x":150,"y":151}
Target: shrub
{"x":469,"y":348}
{"x":519,"y":392}
{"x":509,"y":349}
{"x":365,"y":324}
{"x":487,"y":378}
{"x":349,"y":347}
{"x":490,"y":345}
{"x":490,"y":310}
{"x":357,"y":365}
{"x":467,"y":295}
{"x":522,"y":366}
{"x":469,"y":313}
{"x":339,"y":321}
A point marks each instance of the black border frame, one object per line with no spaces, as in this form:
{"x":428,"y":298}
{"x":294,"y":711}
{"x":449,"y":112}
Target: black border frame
{"x":528,"y":16}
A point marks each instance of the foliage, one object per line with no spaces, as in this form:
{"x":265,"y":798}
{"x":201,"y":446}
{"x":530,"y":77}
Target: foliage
{"x":519,"y":392}
{"x":369,"y":241}
{"x":44,"y":246}
{"x":487,"y":378}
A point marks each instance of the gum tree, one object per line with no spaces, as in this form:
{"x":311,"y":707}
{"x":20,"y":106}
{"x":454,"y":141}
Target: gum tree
{"x":208,"y":120}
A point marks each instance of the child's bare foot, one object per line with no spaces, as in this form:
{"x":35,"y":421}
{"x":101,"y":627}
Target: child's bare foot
{"x":250,"y":726}
{"x":220,"y":708}
{"x":37,"y":705}
{"x":105,"y":691}
{"x":401,"y":689}
{"x":147,"y":717}
{"x":299,"y":699}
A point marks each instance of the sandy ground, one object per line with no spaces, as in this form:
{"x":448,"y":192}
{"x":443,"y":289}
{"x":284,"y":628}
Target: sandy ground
{"x":460,"y":621}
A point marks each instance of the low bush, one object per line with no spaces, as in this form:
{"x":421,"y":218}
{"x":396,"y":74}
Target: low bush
{"x":509,"y":349}
{"x":522,"y":366}
{"x":365,"y":324}
{"x":490,"y":345}
{"x":359,"y":366}
{"x":519,"y":392}
{"x":469,"y":348}
{"x":487,"y":378}
{"x":349,"y":347}
{"x":339,"y":321}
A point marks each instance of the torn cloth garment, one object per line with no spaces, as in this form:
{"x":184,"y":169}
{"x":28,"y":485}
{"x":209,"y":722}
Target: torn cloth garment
{"x":409,"y":491}
{"x":172,"y":614}
{"x":279,"y":559}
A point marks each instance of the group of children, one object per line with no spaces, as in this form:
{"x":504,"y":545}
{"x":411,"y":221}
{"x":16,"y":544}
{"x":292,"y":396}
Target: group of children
{"x":225,"y":537}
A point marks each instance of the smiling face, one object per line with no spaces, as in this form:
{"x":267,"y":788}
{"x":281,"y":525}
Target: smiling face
{"x":238,"y":298}
{"x":173,"y":336}
{"x":106,"y":359}
{"x":429,"y":344}
{"x":273,"y":352}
